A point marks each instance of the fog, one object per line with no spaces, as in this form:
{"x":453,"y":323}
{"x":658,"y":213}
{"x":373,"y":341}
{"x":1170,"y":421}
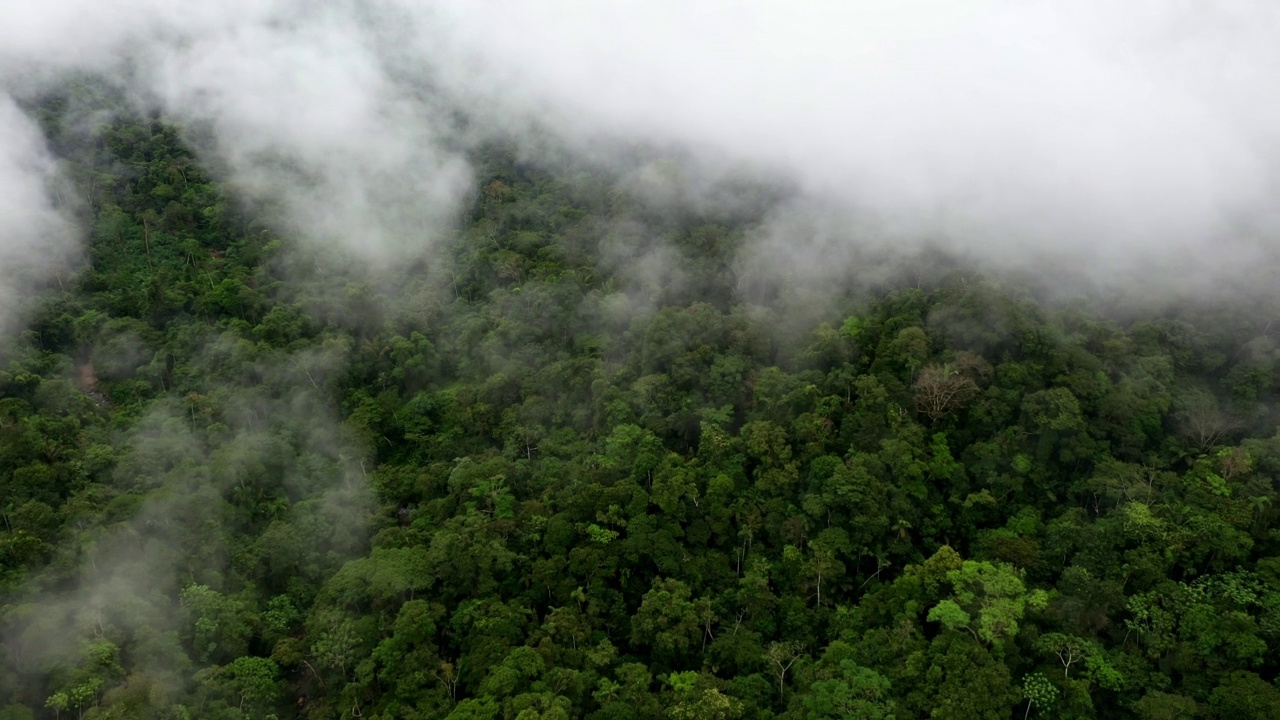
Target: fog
{"x":132,"y":567}
{"x":1092,"y":145}
{"x":35,"y":238}
{"x":1109,"y":140}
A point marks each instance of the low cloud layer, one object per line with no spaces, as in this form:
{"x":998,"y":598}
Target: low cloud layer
{"x":36,"y":239}
{"x":1109,"y":136}
{"x":1111,"y":140}
{"x":306,"y":104}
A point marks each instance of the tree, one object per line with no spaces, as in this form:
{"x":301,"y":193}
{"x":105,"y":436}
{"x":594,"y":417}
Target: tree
{"x":1246,"y":696}
{"x":823,"y":564}
{"x":1156,"y":705}
{"x":964,"y":681}
{"x":782,"y":655}
{"x":1040,"y":693}
{"x":219,"y":623}
{"x":1067,"y":648}
{"x":942,"y":389}
{"x":697,"y":697}
{"x":254,"y":680}
{"x":851,"y":693}
{"x":1203,"y":423}
{"x":988,"y":601}
{"x":668,"y":619}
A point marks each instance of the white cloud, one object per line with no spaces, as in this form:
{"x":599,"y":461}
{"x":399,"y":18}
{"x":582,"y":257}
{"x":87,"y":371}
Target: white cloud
{"x":1112,"y":136}
{"x":36,"y":239}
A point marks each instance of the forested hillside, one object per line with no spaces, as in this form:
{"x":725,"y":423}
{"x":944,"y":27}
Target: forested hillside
{"x":535,"y":475}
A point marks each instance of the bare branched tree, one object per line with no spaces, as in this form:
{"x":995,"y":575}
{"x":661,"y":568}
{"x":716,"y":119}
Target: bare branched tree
{"x":942,"y":389}
{"x":783,"y":655}
{"x":1204,"y":424}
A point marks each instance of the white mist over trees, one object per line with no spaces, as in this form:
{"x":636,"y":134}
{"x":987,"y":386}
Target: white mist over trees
{"x":625,"y":360}
{"x":1109,"y":139}
{"x":1109,"y":136}
{"x":36,"y":239}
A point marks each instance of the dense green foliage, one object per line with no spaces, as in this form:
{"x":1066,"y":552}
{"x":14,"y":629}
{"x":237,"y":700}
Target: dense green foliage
{"x":528,"y":480}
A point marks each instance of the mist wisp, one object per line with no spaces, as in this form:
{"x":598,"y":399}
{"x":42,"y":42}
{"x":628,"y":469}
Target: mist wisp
{"x":1110,"y":140}
{"x":36,"y":236}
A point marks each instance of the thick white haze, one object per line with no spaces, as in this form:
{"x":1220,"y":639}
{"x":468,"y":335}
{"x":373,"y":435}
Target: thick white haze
{"x":34,"y":237}
{"x":1111,"y":138}
{"x":1109,"y":135}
